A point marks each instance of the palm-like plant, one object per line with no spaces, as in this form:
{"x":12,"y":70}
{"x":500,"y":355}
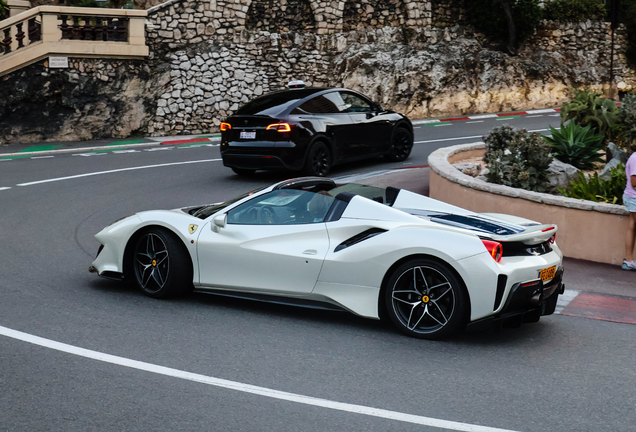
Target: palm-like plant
{"x":588,"y":108}
{"x":576,"y":145}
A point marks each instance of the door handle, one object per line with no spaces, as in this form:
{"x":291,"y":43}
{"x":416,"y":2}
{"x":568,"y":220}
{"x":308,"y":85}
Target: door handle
{"x":310,"y":252}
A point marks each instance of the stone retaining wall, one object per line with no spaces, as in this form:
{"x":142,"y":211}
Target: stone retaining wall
{"x":207,"y":57}
{"x":587,"y":230}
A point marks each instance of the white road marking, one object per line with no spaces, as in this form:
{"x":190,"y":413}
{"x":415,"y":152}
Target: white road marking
{"x":117,"y":170}
{"x":448,"y":139}
{"x":565,"y":299}
{"x":476,"y":121}
{"x":555,"y":115}
{"x":533,"y":116}
{"x":539,"y":130}
{"x":245,"y":388}
{"x":4,"y":188}
{"x":443,"y":124}
{"x":419,"y":122}
{"x":541,"y":111}
{"x":483,"y":116}
{"x":42,"y":157}
{"x":125,"y":151}
{"x":158,"y":149}
{"x":193,"y":146}
{"x":88,"y":154}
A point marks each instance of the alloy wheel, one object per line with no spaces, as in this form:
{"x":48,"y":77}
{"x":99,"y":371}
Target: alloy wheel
{"x":423,"y":300}
{"x":152,"y":266}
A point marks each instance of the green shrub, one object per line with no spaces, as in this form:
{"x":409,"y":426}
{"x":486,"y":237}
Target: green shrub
{"x":518,"y":159}
{"x":576,"y":145}
{"x":488,"y":17}
{"x":627,"y":115}
{"x":597,"y":189}
{"x":574,"y":10}
{"x":588,"y":108}
{"x":4,"y":10}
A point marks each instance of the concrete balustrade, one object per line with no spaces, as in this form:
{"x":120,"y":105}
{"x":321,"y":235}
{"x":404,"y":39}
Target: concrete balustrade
{"x":71,"y":32}
{"x":587,"y":230}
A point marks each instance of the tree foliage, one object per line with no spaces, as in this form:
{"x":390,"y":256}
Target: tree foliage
{"x":574,"y":10}
{"x":489,"y":17}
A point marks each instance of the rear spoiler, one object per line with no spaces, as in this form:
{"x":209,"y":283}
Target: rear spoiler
{"x":534,"y":234}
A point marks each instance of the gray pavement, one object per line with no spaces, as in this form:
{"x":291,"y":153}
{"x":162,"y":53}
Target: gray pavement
{"x":580,"y":275}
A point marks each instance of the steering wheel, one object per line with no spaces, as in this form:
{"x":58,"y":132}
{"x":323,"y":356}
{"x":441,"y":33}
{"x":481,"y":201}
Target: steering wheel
{"x":266,"y":215}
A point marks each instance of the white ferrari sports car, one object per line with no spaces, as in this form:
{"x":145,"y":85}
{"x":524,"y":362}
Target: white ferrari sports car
{"x":429,"y":267}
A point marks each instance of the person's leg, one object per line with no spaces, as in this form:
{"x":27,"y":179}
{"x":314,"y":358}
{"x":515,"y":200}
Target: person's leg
{"x":629,"y":240}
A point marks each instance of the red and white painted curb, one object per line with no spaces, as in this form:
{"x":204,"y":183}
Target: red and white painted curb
{"x":487,"y":116}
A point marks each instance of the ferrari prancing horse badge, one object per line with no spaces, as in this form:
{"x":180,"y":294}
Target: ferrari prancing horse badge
{"x":193,"y":228}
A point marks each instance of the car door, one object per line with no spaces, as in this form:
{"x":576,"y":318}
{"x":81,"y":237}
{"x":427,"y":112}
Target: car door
{"x":269,"y":244}
{"x":326,"y":111}
{"x":371,"y":130}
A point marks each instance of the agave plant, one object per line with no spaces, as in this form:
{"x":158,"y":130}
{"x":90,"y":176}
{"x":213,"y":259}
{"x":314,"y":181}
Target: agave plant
{"x":588,"y":108}
{"x":576,"y":145}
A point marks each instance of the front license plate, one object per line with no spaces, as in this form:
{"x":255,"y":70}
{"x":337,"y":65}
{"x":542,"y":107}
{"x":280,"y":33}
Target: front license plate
{"x":248,"y":135}
{"x":547,"y":274}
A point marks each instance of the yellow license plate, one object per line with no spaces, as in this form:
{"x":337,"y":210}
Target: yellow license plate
{"x":547,"y":274}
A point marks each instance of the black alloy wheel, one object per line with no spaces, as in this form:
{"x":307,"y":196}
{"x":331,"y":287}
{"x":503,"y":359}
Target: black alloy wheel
{"x":318,"y":161}
{"x":244,"y":171}
{"x":426,"y":300}
{"x":401,"y":145}
{"x":161,"y":264}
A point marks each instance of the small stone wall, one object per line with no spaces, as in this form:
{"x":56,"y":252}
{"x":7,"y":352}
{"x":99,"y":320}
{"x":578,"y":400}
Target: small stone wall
{"x":586,"y":230}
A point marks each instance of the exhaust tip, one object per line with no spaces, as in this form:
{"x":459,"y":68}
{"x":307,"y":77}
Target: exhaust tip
{"x":92,"y":269}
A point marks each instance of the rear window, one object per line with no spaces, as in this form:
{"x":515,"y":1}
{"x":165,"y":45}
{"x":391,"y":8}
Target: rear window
{"x":274,"y":103}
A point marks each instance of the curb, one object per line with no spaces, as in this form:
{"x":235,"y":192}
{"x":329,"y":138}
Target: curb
{"x":485,"y":116}
{"x":153,"y":143}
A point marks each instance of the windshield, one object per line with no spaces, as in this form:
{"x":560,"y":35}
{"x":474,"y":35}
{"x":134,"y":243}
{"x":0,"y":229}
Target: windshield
{"x":274,"y":103}
{"x":207,"y":211}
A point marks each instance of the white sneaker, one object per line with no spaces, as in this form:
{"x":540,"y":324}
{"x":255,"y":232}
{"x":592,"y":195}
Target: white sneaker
{"x":629,"y":266}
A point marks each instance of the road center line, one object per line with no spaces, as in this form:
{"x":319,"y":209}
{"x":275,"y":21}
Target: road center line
{"x":4,"y":188}
{"x":245,"y":388}
{"x":115,"y":171}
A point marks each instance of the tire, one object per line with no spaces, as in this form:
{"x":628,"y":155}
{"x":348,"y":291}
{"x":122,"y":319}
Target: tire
{"x":161,"y":265}
{"x":401,"y":145}
{"x":425,"y":299}
{"x":318,"y":162}
{"x":244,"y":171}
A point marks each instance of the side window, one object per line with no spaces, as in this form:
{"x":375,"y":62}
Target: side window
{"x":355,"y":103}
{"x":319,"y":105}
{"x":282,"y":207}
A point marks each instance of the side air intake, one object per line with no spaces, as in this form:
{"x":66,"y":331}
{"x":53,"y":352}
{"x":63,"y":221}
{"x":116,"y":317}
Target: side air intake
{"x":364,"y":235}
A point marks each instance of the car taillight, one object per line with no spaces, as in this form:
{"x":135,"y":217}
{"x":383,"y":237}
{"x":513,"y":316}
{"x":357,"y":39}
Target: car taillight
{"x":280,"y":127}
{"x":225,"y":127}
{"x":553,"y":239}
{"x":494,"y":248}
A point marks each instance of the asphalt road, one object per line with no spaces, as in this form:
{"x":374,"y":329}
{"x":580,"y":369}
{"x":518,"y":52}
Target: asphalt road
{"x":561,"y":374}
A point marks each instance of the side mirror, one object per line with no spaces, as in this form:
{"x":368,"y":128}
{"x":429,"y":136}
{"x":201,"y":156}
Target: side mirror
{"x":219,"y":221}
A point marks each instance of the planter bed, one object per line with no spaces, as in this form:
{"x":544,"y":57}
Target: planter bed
{"x":587,"y":230}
